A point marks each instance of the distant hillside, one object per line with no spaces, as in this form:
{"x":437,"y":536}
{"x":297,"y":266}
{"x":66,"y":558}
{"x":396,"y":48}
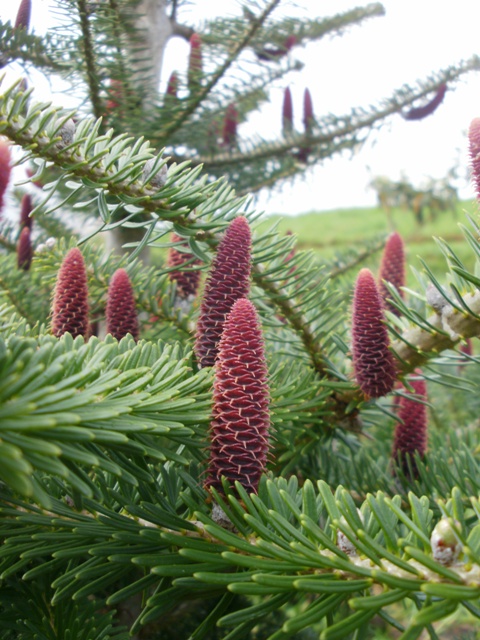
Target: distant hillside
{"x":332,"y":232}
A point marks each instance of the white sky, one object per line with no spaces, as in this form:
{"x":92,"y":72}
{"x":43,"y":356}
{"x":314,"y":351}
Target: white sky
{"x":415,"y":38}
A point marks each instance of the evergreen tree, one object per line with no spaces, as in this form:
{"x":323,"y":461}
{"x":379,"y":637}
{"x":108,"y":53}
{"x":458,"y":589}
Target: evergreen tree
{"x":146,"y":493}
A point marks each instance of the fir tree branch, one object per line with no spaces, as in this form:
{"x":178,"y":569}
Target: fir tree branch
{"x":178,"y":120}
{"x":335,"y":272}
{"x":289,"y":310}
{"x":89,"y":56}
{"x":330,"y":130}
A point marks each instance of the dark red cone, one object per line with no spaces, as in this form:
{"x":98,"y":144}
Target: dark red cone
{"x":172,"y":86}
{"x":308,"y":120}
{"x":240,"y":418}
{"x":287,"y":112}
{"x":374,"y":365}
{"x":474,"y":148}
{"x":24,"y":250}
{"x":194,"y":74}
{"x":411,"y":431}
{"x":230,"y":126}
{"x":70,"y":300}
{"x":5,"y":170}
{"x":187,"y":281}
{"x":26,"y":208}
{"x":121,"y":313}
{"x":392,"y":270}
{"x":229,"y":280}
{"x":418,"y":113}
{"x":22,"y":21}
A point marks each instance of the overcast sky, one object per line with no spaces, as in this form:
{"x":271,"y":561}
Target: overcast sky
{"x":367,"y":63}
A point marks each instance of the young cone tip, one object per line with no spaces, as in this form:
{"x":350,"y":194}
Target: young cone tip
{"x":22,"y":21}
{"x":392,"y":269}
{"x":228,"y":280}
{"x":121,"y":314}
{"x":374,"y":364}
{"x":24,"y":250}
{"x":240,"y":417}
{"x":5,"y":168}
{"x":474,"y":150}
{"x":70,"y":300}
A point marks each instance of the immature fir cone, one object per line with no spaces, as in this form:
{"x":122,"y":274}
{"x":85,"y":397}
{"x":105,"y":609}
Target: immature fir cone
{"x":172,"y":86}
{"x":70,"y":300}
{"x":374,"y":364}
{"x":187,"y":281}
{"x":25,"y":209}
{"x":229,"y":280}
{"x":5,"y":169}
{"x":287,"y":112}
{"x":392,"y":270}
{"x":121,"y":314}
{"x":307,"y":111}
{"x":22,"y":21}
{"x":240,"y":418}
{"x":411,"y":430}
{"x":194,"y":74}
{"x":418,"y":113}
{"x":230,"y":126}
{"x":474,"y":148}
{"x":24,"y":250}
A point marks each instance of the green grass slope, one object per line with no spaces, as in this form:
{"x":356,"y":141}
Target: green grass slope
{"x":333,"y":232}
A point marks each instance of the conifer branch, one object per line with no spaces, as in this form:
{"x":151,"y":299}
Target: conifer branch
{"x":203,"y":92}
{"x":89,"y":56}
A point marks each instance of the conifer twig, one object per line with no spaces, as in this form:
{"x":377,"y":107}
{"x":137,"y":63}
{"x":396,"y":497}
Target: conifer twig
{"x":92,"y":75}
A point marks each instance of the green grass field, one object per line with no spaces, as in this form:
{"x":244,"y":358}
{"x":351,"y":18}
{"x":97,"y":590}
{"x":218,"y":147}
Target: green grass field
{"x":330,"y":233}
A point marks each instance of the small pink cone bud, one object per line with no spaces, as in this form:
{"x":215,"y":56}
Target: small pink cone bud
{"x":229,"y":280}
{"x":115,"y":92}
{"x":308,"y":119}
{"x":392,"y":270}
{"x":474,"y":148}
{"x":418,"y":113}
{"x":26,"y":208}
{"x":287,"y":112}
{"x":120,"y":313}
{"x":70,"y":300}
{"x":24,"y":250}
{"x":195,"y":61}
{"x":187,"y":281}
{"x":5,"y":169}
{"x":240,"y":418}
{"x":172,"y":86}
{"x":22,"y":21}
{"x":411,"y":430}
{"x":230,"y":126}
{"x":374,"y":365}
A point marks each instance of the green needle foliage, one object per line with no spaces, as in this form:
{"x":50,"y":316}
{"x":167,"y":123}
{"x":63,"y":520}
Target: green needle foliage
{"x":107,"y":530}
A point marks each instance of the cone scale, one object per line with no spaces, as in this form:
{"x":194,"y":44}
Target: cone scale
{"x":240,"y":417}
